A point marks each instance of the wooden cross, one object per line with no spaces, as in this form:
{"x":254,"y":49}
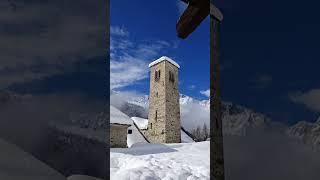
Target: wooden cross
{"x":191,"y":18}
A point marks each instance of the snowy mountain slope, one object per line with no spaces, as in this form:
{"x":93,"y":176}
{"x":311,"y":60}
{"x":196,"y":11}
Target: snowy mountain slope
{"x":16,"y":164}
{"x":306,"y":132}
{"x":97,"y":120}
{"x":86,"y":133}
{"x":130,"y":103}
{"x":134,"y":109}
{"x":237,"y":120}
{"x":161,"y":161}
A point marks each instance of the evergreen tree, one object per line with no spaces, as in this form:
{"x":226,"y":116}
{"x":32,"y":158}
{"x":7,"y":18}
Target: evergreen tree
{"x":205,"y":133}
{"x":198,"y":134}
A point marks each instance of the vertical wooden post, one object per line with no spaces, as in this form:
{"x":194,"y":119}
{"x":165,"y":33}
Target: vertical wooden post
{"x":189,"y":20}
{"x":216,"y":143}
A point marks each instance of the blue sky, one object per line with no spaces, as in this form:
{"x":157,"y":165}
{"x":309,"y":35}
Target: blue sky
{"x":144,"y":31}
{"x":269,"y":59}
{"x":269,"y":51}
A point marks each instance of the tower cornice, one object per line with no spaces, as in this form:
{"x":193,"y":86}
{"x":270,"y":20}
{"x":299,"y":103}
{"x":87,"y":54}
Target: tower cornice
{"x":164,"y":58}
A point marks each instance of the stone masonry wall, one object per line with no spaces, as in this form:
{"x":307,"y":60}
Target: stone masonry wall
{"x":164,"y":108}
{"x":156,"y":106}
{"x":118,"y":136}
{"x":173,"y":126}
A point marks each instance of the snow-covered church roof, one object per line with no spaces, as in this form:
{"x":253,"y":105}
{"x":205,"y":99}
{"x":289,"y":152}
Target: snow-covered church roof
{"x":164,"y":58}
{"x":118,"y":117}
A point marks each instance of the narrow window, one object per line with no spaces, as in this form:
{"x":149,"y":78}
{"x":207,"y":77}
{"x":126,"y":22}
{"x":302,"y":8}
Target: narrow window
{"x":171,"y":77}
{"x":157,"y":75}
{"x":150,"y":125}
{"x":156,"y":115}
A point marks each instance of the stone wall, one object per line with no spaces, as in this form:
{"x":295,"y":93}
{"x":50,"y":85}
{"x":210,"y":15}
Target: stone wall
{"x":156,"y":106}
{"x":118,"y":135}
{"x":173,"y":126}
{"x":164,"y":108}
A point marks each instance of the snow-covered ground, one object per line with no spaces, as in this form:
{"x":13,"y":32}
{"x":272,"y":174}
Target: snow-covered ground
{"x":16,"y":164}
{"x":183,"y":161}
{"x":82,"y":177}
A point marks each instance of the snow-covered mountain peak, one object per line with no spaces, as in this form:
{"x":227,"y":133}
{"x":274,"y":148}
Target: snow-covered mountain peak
{"x":184,"y":99}
{"x":195,"y":113}
{"x":140,"y":100}
{"x":307,"y":132}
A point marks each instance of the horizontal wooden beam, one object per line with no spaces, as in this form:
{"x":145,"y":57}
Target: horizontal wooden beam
{"x":191,"y":18}
{"x":215,"y":12}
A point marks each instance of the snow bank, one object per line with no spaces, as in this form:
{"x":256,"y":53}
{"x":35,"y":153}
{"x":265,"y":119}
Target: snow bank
{"x":135,"y":137}
{"x":15,"y":164}
{"x":185,"y":138}
{"x":183,"y":161}
{"x":82,"y":177}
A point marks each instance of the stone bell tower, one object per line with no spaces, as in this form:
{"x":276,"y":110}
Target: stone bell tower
{"x":164,"y":107}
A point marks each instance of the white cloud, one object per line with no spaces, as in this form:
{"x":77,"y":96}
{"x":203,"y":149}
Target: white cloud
{"x":194,"y":114}
{"x":118,"y":98}
{"x":310,"y":99}
{"x":206,"y":92}
{"x":127,"y":71}
{"x":192,"y":87}
{"x":39,"y":38}
{"x":129,"y":60}
{"x":118,"y":31}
